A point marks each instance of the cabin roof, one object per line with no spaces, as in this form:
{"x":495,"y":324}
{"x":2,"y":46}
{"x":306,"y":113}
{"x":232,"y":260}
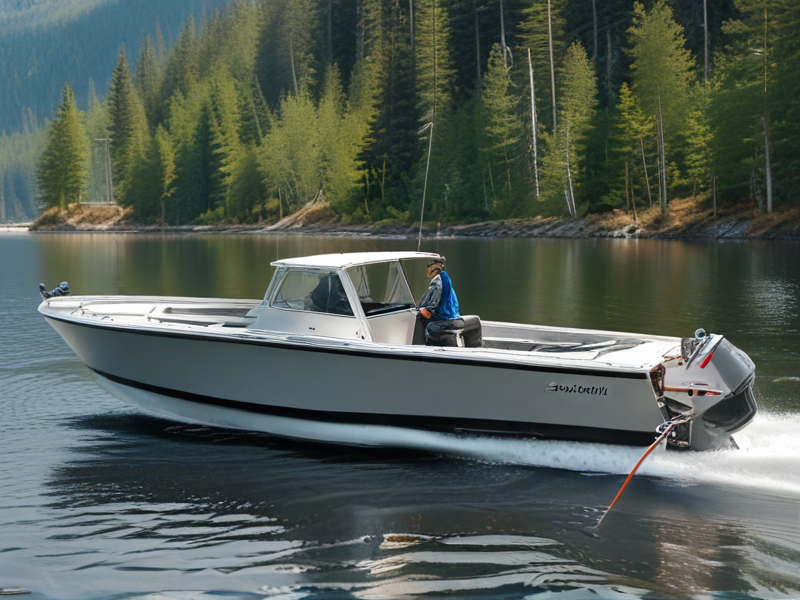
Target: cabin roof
{"x":349,"y":259}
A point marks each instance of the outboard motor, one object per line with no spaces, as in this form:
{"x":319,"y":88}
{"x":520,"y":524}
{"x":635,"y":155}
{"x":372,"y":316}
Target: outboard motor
{"x":61,"y":290}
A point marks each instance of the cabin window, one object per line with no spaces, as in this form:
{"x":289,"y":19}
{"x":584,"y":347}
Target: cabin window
{"x":314,"y":291}
{"x":381,"y":287}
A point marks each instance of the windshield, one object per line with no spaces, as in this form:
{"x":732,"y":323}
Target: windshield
{"x":381,"y":287}
{"x":415,"y":270}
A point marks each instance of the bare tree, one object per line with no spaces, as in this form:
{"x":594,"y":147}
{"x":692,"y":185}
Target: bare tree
{"x":552,"y":64}
{"x":663,"y":157}
{"x":477,"y":39}
{"x":533,"y":126}
{"x":768,"y":164}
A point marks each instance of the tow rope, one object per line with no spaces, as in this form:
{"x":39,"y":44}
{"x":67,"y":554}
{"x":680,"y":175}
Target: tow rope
{"x":668,"y":427}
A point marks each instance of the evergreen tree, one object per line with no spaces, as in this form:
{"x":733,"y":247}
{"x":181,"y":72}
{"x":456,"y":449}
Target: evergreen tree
{"x":96,"y":134}
{"x":394,"y":146}
{"x":632,"y":145}
{"x":537,"y":30}
{"x":578,"y":102}
{"x":756,"y":94}
{"x":662,"y":76}
{"x":698,"y":143}
{"x":128,"y":126}
{"x":181,"y":69}
{"x":290,"y":157}
{"x":502,"y":131}
{"x":63,"y":169}
{"x":147,"y":80}
{"x":226,"y":147}
{"x":434,"y":69}
{"x":662,"y":67}
{"x":286,"y":46}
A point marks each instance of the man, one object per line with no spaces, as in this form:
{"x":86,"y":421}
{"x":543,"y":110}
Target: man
{"x":439,"y":305}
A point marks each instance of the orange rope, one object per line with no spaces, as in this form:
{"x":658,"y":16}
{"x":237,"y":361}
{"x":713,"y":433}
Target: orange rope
{"x":652,"y":447}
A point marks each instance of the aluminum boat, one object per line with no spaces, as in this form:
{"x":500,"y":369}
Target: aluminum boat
{"x":335,"y":352}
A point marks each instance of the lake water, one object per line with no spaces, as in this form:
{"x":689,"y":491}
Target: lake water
{"x":99,"y":501}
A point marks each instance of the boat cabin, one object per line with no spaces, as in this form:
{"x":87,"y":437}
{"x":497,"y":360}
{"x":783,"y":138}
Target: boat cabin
{"x":360,"y":296}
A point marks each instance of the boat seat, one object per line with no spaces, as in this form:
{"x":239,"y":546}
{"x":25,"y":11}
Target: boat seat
{"x":465,"y":332}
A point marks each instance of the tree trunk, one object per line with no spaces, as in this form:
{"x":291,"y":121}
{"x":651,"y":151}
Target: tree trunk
{"x":477,"y":41}
{"x":627,"y":180}
{"x":552,"y":66}
{"x":503,"y":35}
{"x":663,"y":158}
{"x":491,"y":181}
{"x":594,"y":19}
{"x":705,"y":32}
{"x":533,"y":126}
{"x":767,"y":163}
{"x":714,"y":193}
{"x":411,"y":24}
{"x":330,"y":32}
{"x":571,"y":197}
{"x":646,"y":178}
{"x":291,"y":59}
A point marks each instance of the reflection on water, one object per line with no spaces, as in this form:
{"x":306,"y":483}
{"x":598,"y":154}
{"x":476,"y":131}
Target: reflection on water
{"x":101,"y":502}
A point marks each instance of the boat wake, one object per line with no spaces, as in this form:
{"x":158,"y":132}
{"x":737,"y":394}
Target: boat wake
{"x":767,"y":456}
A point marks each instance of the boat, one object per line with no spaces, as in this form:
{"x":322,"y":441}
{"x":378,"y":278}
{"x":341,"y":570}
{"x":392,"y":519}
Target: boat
{"x":336,"y":352}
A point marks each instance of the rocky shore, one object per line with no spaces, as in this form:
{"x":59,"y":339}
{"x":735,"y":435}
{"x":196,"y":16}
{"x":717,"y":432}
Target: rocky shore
{"x":686,"y":219}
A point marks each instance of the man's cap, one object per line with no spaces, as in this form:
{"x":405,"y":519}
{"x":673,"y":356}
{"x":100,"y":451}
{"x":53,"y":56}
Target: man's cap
{"x":438,"y":261}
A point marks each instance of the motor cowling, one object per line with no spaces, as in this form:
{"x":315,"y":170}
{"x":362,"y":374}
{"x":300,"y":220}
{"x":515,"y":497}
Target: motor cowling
{"x":61,"y":290}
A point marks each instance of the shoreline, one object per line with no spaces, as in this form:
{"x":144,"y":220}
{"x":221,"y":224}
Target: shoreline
{"x":687,"y":219}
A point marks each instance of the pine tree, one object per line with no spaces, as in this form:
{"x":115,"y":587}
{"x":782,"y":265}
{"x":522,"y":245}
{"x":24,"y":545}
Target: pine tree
{"x":148,"y":80}
{"x":165,"y":173}
{"x":63,"y":168}
{"x":632,"y":145}
{"x":434,"y":70}
{"x":698,"y":142}
{"x":662,"y":76}
{"x":395,"y":146}
{"x":578,"y":102}
{"x":285,"y":55}
{"x":128,"y":126}
{"x":96,"y":134}
{"x":182,"y":68}
{"x":188,"y":127}
{"x":535,"y":33}
{"x":290,"y":156}
{"x":503,"y":129}
{"x":226,"y":147}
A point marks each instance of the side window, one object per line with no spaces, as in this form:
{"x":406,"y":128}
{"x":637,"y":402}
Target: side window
{"x":381,"y":287}
{"x":312,"y":291}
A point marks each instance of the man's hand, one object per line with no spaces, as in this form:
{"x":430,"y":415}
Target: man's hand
{"x":425,"y":313}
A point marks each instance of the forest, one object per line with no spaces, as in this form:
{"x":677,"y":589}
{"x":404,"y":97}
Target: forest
{"x":486,"y":109}
{"x":44,"y":43}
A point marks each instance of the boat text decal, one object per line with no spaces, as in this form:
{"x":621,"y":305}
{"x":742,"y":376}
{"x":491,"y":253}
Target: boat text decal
{"x":591,"y":390}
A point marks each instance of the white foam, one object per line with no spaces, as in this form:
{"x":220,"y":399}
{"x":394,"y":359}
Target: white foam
{"x":768,"y":457}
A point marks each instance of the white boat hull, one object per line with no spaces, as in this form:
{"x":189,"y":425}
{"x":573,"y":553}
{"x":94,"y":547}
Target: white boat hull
{"x":328,"y":390}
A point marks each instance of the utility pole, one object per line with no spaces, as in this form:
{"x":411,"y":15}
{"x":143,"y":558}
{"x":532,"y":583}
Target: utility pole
{"x":109,"y":183}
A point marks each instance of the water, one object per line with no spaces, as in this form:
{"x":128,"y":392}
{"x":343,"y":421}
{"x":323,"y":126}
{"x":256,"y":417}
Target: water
{"x":100,"y":502}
